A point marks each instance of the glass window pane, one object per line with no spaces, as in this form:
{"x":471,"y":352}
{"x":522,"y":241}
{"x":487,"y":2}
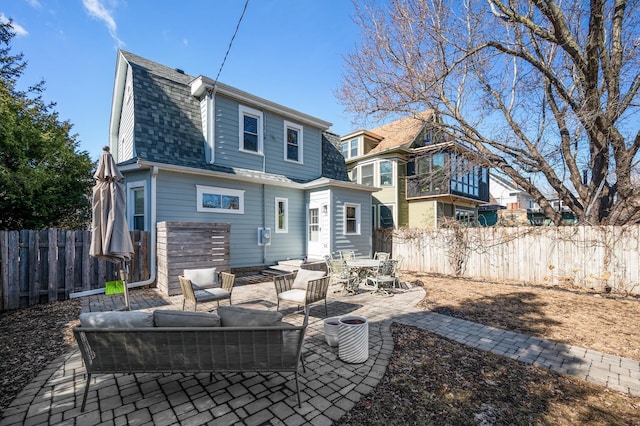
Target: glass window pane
{"x":367,"y":175}
{"x":292,"y":152}
{"x":250,"y":124}
{"x":138,"y":201}
{"x":386,"y":176}
{"x":250,"y":142}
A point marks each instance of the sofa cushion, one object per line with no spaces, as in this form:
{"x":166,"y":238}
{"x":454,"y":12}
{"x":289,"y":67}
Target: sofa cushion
{"x":210,"y":294}
{"x":203,"y":278}
{"x":236,"y":316}
{"x":116,"y":319}
{"x":172,"y":318}
{"x":304,"y":276}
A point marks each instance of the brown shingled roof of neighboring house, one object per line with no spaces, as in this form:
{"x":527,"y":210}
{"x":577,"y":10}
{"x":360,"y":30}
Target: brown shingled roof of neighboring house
{"x":400,"y":132}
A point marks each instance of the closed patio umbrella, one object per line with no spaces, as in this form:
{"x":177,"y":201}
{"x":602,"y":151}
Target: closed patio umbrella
{"x":110,"y":238}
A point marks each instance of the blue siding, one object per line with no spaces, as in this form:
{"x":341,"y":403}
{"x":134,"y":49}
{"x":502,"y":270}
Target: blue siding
{"x":361,"y":243}
{"x":227,"y":144}
{"x":176,"y":201}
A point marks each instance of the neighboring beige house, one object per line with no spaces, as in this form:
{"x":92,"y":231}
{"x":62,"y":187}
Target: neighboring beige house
{"x":424,"y":180}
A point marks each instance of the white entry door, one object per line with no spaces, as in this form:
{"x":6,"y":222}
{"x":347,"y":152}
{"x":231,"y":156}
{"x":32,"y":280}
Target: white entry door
{"x":318,"y":225}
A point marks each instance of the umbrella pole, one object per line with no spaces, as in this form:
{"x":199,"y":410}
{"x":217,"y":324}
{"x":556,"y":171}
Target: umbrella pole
{"x":124,"y":272}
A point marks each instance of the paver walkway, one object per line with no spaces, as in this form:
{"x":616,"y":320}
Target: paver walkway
{"x":328,"y":389}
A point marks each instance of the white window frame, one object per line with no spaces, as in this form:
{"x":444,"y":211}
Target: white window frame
{"x":285,"y":229}
{"x":349,"y":145}
{"x":357,"y":218}
{"x":201,"y":190}
{"x":252,"y":112}
{"x":131,"y":188}
{"x":297,"y":127}
{"x":391,"y":172}
{"x":373,"y":174}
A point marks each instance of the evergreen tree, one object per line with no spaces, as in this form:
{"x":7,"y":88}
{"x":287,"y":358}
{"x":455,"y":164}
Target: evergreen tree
{"x":44,"y":181}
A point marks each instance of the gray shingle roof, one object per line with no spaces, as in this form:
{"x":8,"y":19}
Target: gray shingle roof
{"x":168,"y":127}
{"x":333,"y":165}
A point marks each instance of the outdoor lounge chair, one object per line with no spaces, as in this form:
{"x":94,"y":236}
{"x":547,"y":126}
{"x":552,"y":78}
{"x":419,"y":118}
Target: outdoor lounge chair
{"x":194,"y":294}
{"x":303,"y":288}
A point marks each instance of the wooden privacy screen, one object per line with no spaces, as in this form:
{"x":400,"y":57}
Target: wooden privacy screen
{"x":190,"y":245}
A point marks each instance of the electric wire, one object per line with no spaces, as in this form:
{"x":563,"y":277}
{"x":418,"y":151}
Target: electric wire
{"x":232,"y":38}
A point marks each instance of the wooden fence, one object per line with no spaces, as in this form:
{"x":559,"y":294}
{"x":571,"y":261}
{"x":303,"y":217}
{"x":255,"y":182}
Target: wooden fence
{"x":382,"y":241}
{"x":604,"y":258}
{"x":45,"y":266}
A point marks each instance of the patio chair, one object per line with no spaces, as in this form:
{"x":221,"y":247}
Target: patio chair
{"x":194,"y":294}
{"x":385,"y":276}
{"x":302,"y":287}
{"x":347,"y":254}
{"x":381,"y":256}
{"x":340,"y":274}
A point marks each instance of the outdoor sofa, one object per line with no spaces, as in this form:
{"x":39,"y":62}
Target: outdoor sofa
{"x":237,"y":339}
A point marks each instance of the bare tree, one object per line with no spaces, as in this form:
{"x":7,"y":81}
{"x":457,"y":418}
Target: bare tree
{"x":545,"y":91}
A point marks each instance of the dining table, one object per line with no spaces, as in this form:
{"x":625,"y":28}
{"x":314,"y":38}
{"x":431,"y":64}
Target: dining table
{"x":362,"y":267}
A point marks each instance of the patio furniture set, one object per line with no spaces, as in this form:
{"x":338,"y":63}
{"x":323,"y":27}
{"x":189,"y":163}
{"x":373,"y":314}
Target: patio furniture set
{"x":236,"y":338}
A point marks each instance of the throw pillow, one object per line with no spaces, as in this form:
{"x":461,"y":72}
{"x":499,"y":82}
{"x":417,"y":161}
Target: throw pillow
{"x":203,"y":278}
{"x":116,"y":319}
{"x":171,"y":318}
{"x":304,"y":276}
{"x":236,"y":316}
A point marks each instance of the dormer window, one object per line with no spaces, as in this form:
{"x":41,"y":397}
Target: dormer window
{"x":251,"y":139}
{"x":350,"y":148}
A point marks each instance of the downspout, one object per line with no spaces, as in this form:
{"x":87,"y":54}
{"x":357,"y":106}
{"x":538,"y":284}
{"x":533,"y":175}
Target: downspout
{"x":152,"y":252}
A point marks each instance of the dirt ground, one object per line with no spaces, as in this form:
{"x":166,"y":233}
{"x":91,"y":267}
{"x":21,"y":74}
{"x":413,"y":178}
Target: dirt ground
{"x":431,"y":380}
{"x":604,"y":322}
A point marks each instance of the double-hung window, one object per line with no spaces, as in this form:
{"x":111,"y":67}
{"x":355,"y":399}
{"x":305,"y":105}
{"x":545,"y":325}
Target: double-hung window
{"x":366,"y":174}
{"x":251,"y":139}
{"x":136,"y":199}
{"x":386,"y":173}
{"x":351,"y":218}
{"x":292,"y":142}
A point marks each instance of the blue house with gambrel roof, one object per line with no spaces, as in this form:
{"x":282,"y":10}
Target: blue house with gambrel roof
{"x":196,"y":150}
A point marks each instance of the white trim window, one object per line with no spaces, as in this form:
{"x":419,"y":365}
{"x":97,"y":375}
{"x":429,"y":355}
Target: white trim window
{"x":138,"y":201}
{"x":251,"y":135}
{"x":350,"y":148}
{"x":282,"y":215}
{"x":366,"y":174}
{"x":385,"y":169}
{"x":211,"y":199}
{"x":293,"y":138}
{"x":351,"y":219}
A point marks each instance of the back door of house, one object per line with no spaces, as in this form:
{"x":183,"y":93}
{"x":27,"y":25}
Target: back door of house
{"x":319,"y":225}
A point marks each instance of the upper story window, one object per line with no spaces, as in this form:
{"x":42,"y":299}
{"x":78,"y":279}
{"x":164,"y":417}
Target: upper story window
{"x":251,"y":139}
{"x":366,"y":174}
{"x":293,"y":142}
{"x":350,"y":148}
{"x":351,"y":218}
{"x":386,"y":173}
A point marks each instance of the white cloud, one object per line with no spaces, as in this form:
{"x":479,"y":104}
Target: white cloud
{"x":19,"y":29}
{"x":97,"y":10}
{"x":35,"y":4}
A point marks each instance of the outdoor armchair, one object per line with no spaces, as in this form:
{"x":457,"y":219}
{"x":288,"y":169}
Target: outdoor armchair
{"x":341,"y":274}
{"x":386,"y":275}
{"x":302,"y":288}
{"x":194,"y":294}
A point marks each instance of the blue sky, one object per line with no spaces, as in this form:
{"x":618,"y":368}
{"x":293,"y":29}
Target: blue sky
{"x":288,"y":51}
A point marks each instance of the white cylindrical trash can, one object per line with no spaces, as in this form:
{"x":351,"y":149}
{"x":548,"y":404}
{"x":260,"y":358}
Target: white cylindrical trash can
{"x":331,"y":330}
{"x":353,"y":335}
